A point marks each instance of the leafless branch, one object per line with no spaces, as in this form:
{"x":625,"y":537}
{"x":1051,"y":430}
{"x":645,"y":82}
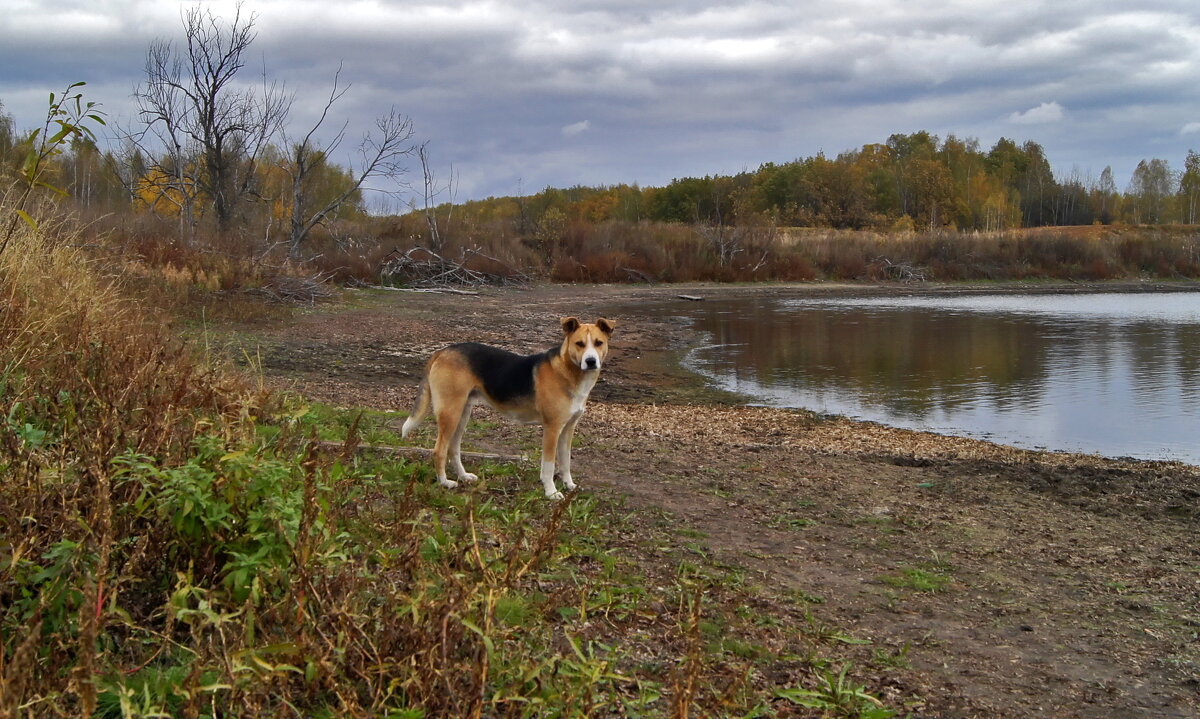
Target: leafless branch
{"x":382,"y":155}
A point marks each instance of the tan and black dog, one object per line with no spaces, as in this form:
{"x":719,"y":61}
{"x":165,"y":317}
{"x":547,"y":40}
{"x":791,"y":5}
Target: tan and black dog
{"x":550,"y":387}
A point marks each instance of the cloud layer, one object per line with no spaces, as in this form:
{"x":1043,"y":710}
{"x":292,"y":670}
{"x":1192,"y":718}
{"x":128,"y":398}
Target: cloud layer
{"x":532,"y":94}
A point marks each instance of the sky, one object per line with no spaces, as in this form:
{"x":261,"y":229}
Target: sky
{"x":519,"y":96}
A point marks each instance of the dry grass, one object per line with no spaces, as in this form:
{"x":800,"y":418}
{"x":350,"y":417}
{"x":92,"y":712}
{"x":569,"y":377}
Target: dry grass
{"x":668,"y":252}
{"x":83,"y":379}
{"x":169,"y":274}
{"x":176,"y":543}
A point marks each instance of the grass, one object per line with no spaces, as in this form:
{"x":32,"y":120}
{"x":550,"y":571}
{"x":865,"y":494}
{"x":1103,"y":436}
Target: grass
{"x":783,"y":521}
{"x":369,"y":425}
{"x":223,"y":276}
{"x":895,"y":659}
{"x":837,"y":696}
{"x":180,"y":542}
{"x":918,"y":580}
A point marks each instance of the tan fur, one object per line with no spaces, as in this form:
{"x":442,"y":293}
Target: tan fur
{"x":561,"y":387}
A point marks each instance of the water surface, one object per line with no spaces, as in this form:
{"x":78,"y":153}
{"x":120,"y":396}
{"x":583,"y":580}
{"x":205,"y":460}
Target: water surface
{"x":1114,"y":374}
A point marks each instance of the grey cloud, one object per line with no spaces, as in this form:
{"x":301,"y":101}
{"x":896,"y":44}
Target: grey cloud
{"x":678,"y":87}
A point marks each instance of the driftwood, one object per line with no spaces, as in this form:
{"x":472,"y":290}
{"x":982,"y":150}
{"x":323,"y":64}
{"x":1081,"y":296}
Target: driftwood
{"x":420,"y":451}
{"x":693,"y":298}
{"x":639,"y":276}
{"x":421,"y":267}
{"x":439,"y":290}
{"x":902,"y":271}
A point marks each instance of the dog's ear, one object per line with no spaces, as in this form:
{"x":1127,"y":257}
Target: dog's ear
{"x":569,"y":324}
{"x":606,"y":326}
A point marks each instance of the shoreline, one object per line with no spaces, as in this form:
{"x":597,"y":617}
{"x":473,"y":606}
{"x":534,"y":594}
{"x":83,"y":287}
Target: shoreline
{"x":790,"y":290}
{"x":645,"y":372}
{"x":1064,"y":583}
{"x":653,"y":357}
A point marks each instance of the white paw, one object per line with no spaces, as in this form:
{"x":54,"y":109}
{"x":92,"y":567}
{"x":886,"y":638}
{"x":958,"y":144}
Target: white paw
{"x":448,"y":483}
{"x":468,"y":477}
{"x":568,"y":484}
{"x":554,"y":495}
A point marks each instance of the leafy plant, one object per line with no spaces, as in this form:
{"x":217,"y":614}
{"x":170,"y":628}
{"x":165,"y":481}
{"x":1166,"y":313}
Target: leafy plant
{"x":236,"y":512}
{"x":66,"y":119}
{"x":837,"y":696}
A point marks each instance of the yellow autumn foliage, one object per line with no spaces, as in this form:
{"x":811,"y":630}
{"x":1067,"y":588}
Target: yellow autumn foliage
{"x":158,"y":192}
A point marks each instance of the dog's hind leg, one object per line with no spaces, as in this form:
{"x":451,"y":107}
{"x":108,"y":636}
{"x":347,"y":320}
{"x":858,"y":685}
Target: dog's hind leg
{"x":451,"y":408}
{"x":456,"y":446}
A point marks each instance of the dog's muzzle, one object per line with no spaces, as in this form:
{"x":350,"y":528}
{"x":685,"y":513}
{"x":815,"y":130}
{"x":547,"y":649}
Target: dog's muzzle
{"x":590,"y":363}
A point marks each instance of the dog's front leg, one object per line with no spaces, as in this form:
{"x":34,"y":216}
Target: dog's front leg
{"x":564,"y":451}
{"x":553,"y":431}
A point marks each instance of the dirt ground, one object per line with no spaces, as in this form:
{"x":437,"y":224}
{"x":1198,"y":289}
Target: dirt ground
{"x":1015,"y":583}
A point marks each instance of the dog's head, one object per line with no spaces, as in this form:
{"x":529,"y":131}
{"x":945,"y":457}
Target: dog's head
{"x":587,"y":344}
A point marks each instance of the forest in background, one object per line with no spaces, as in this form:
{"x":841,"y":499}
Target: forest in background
{"x":910,"y":182}
{"x":215,"y":185}
{"x":916,"y":207}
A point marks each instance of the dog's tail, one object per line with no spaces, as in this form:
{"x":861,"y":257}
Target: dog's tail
{"x":419,"y":410}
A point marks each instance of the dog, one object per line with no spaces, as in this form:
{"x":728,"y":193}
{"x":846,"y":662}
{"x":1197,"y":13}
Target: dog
{"x":550,"y":387}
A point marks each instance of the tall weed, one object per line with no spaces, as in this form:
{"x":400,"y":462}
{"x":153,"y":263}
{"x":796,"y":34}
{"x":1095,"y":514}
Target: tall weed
{"x":173,"y":543}
{"x":162,"y":556}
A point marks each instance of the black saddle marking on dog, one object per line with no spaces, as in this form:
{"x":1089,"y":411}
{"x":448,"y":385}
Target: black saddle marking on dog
{"x":505,"y":375}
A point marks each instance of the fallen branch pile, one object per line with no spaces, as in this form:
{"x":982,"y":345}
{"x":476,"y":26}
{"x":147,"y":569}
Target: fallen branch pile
{"x":422,"y":267}
{"x":292,"y":289}
{"x":902,"y":271}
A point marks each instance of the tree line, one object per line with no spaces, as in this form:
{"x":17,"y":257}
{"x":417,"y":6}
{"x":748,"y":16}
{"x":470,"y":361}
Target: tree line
{"x":910,"y":182}
{"x":214,"y":154}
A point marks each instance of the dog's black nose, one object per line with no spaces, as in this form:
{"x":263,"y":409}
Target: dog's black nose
{"x":590,"y":362}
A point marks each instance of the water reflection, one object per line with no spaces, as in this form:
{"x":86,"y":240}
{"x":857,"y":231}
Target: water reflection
{"x":1116,"y":374}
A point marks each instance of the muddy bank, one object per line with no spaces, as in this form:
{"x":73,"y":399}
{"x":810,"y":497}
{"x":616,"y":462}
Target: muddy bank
{"x":1014,"y":583}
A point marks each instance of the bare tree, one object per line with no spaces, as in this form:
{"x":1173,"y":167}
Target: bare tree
{"x":431,"y":192}
{"x":8,"y":135}
{"x":211,"y":130}
{"x":1106,"y":195}
{"x":726,"y":240}
{"x":381,"y":154}
{"x":162,"y":110}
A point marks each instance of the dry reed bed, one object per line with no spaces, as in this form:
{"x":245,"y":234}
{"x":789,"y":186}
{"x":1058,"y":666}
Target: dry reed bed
{"x":638,"y":252}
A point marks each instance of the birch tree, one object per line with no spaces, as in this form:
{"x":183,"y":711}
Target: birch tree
{"x":1189,"y":187}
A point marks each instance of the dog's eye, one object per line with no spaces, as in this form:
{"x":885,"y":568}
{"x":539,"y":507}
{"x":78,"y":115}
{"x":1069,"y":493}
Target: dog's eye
{"x":581,"y":343}
{"x":599,"y":343}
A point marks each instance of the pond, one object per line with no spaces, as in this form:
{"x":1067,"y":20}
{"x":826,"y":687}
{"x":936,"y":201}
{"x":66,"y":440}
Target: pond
{"x":1116,"y":374}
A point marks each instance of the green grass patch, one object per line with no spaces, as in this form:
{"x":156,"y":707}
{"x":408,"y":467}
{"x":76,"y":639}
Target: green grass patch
{"x":335,"y":423}
{"x":918,"y":580}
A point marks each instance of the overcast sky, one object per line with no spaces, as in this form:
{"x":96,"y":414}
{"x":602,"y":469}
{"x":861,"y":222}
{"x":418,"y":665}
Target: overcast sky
{"x":524,"y":95}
